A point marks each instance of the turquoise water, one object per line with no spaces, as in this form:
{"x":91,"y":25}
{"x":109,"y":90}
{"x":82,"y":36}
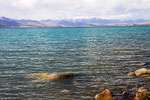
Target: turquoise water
{"x":103,"y":56}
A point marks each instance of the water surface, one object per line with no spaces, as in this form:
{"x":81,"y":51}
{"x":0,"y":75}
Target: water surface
{"x":103,"y":55}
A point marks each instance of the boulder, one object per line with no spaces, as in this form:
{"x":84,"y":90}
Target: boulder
{"x":105,"y":95}
{"x":53,"y":76}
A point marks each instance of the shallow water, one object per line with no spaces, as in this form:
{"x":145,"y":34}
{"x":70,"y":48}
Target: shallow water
{"x":103,"y":56}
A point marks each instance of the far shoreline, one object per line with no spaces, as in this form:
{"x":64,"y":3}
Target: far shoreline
{"x":101,"y":25}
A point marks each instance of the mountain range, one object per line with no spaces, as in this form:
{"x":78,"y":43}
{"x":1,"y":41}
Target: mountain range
{"x":8,"y":22}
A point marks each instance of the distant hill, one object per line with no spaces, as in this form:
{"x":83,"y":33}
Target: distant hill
{"x":7,"y":22}
{"x":147,"y":22}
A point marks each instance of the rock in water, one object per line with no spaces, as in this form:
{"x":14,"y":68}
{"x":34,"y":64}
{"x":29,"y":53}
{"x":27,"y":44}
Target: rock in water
{"x":145,"y":75}
{"x":148,"y":70}
{"x":39,"y":76}
{"x":131,"y":73}
{"x":53,"y":76}
{"x":142,"y":89}
{"x":141,"y":71}
{"x":62,"y":75}
{"x":125,"y":93}
{"x":142,"y":96}
{"x":105,"y":95}
{"x":141,"y":64}
{"x":65,"y":91}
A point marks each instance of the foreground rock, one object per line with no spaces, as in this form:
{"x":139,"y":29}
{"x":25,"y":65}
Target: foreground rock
{"x":53,"y":76}
{"x":105,"y":95}
{"x":142,"y":96}
{"x":142,"y":71}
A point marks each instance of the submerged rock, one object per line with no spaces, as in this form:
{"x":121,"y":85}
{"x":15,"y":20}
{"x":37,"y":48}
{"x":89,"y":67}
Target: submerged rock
{"x":126,"y":96}
{"x":53,"y":76}
{"x":142,"y":96}
{"x":141,"y":64}
{"x":142,"y":89}
{"x":65,"y":91}
{"x":102,"y":88}
{"x":142,"y":71}
{"x":131,"y":73}
{"x":105,"y":95}
{"x":145,"y":75}
{"x":125,"y":93}
{"x":36,"y":81}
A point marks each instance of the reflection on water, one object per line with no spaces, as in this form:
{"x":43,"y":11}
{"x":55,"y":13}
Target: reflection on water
{"x":103,"y":56}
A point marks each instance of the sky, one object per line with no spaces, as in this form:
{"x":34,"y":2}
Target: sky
{"x":59,"y":9}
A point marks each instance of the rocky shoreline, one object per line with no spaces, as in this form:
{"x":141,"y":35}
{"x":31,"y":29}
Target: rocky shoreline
{"x":142,"y":93}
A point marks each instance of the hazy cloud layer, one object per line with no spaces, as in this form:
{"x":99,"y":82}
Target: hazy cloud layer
{"x":47,"y":9}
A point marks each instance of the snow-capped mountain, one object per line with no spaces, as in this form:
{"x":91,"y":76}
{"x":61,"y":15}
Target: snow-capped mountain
{"x":66,"y":22}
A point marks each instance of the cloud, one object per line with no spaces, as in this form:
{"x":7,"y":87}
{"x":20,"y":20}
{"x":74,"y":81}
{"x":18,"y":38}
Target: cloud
{"x":51,"y":9}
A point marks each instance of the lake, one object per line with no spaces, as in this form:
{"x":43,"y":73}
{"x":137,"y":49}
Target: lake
{"x":102,"y":55}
